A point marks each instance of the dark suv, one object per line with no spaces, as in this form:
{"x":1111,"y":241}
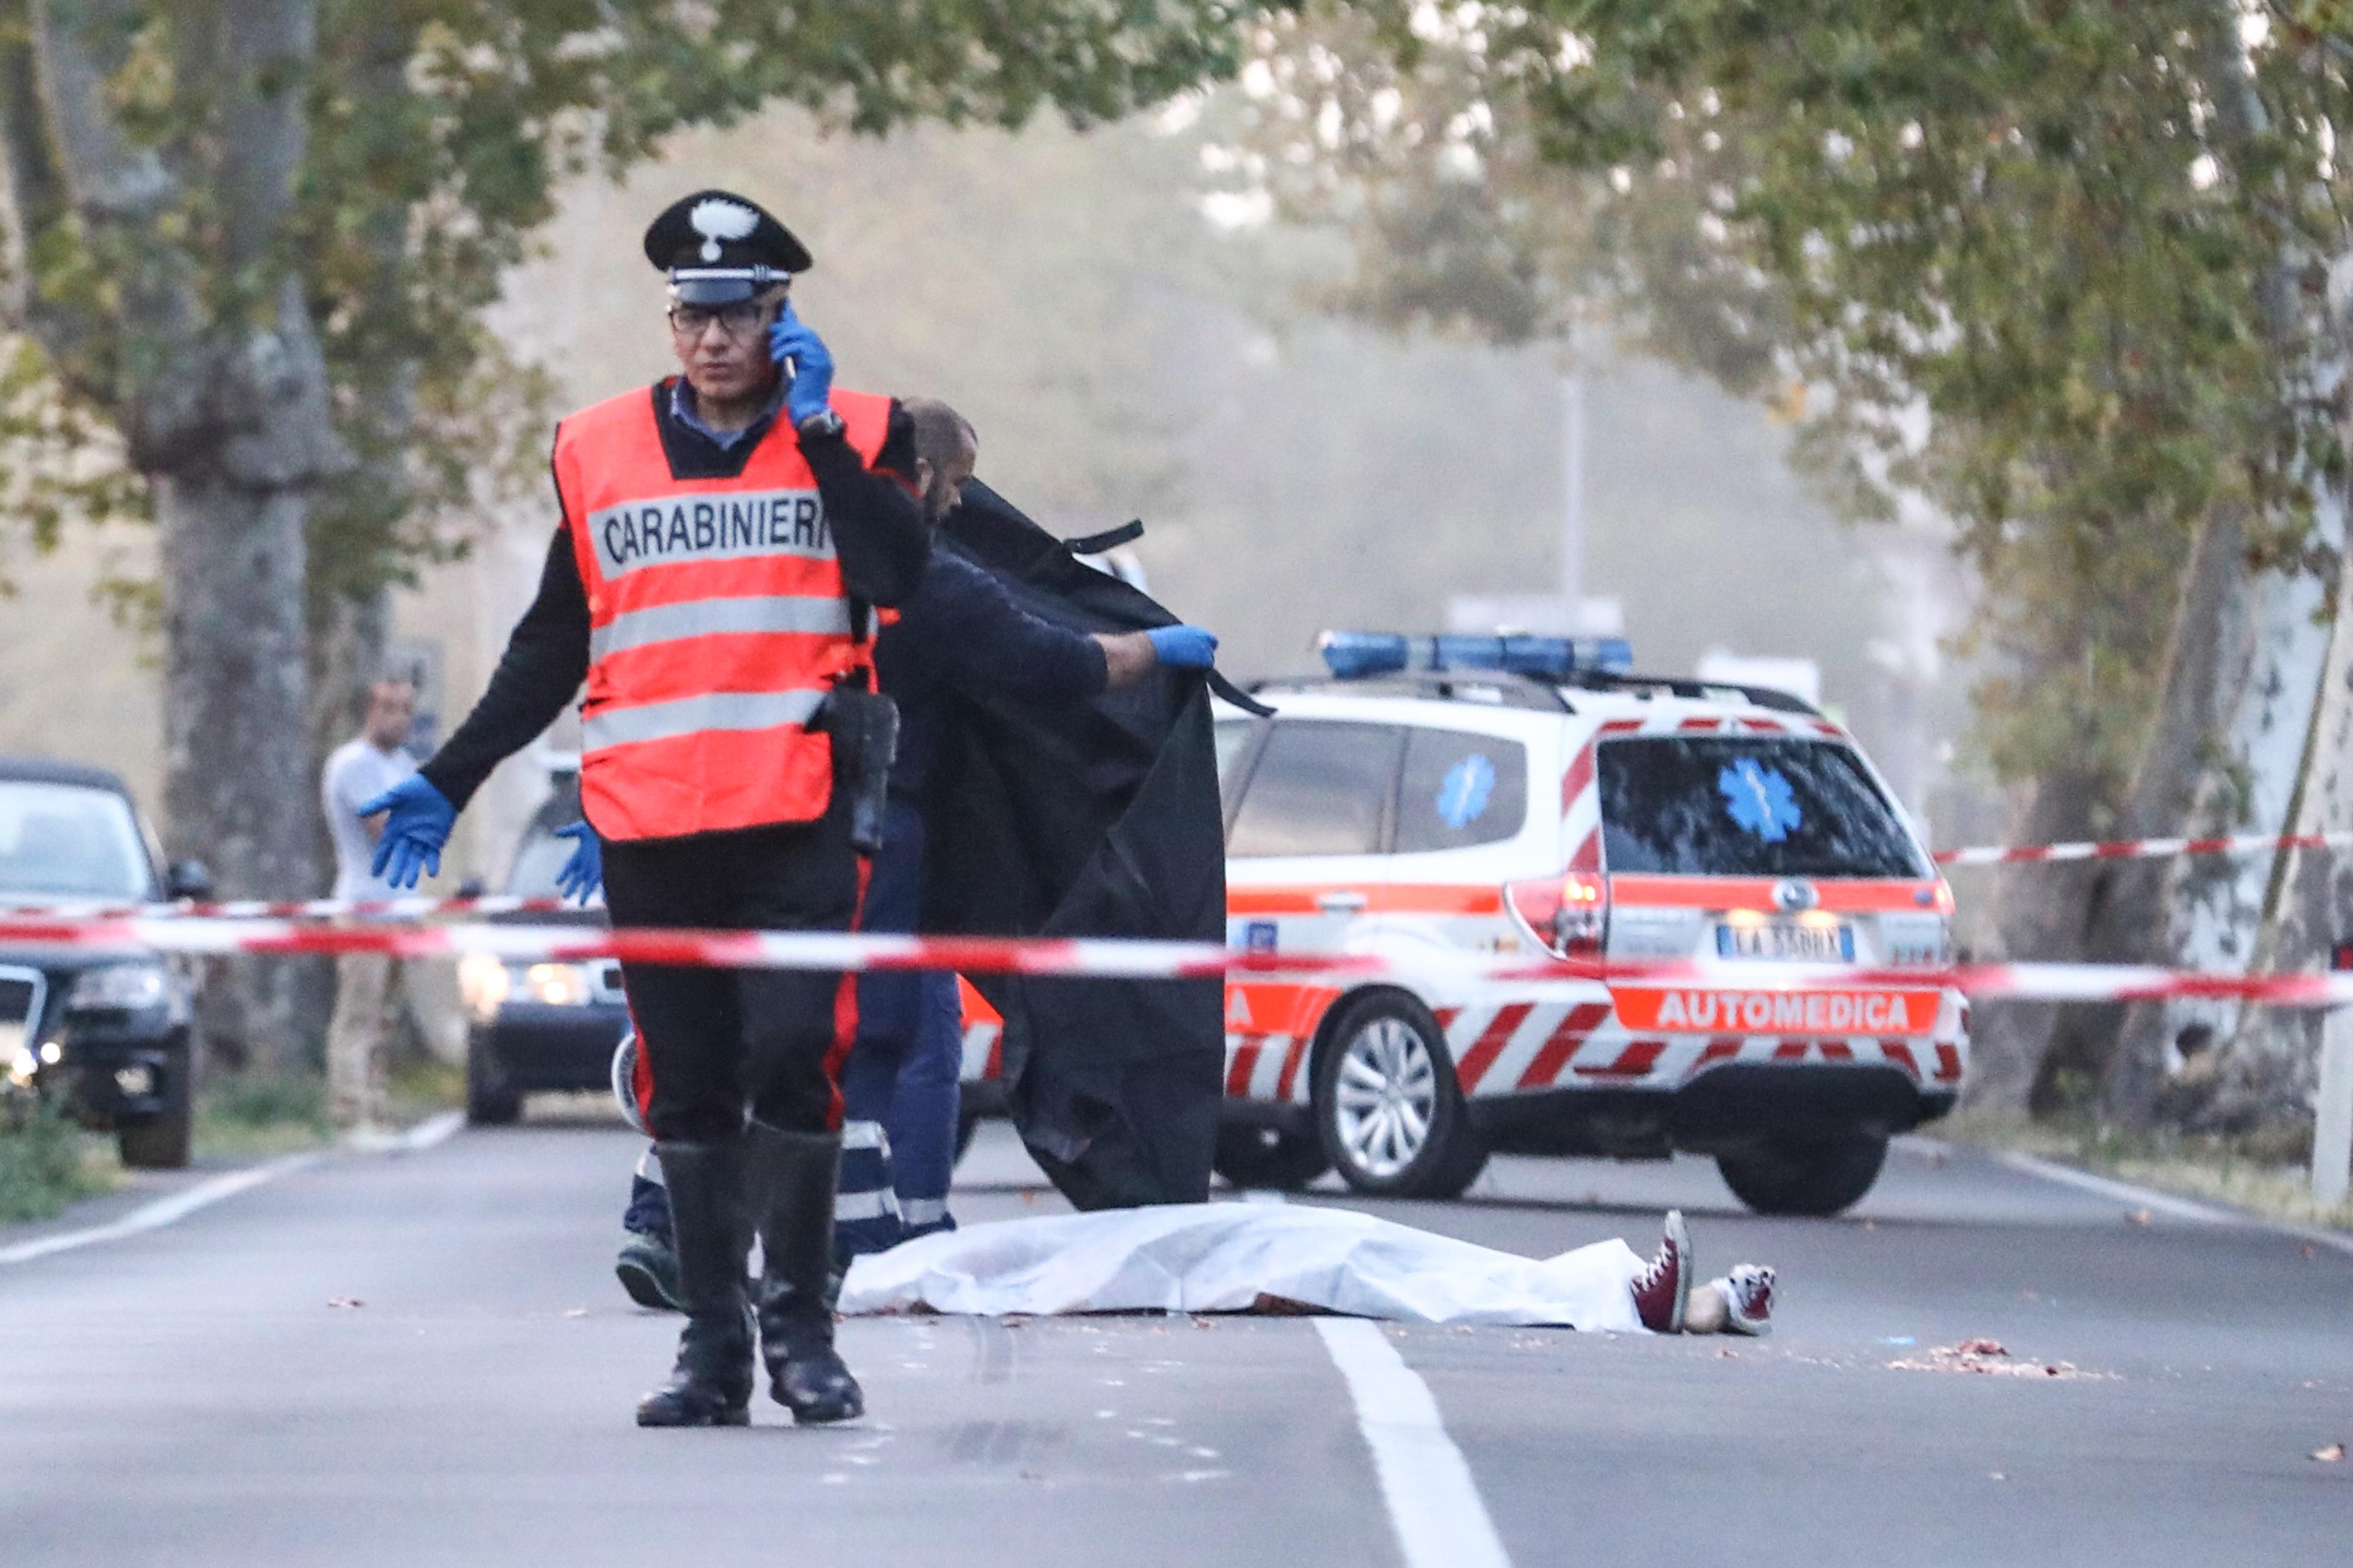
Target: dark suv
{"x":540,"y":1026}
{"x":115,"y":1028}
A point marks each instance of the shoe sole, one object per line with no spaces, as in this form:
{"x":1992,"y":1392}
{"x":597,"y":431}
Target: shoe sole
{"x":824,"y":1415}
{"x":739,"y":1416}
{"x":644,"y":1287}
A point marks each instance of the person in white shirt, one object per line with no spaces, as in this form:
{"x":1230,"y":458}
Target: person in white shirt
{"x":356,"y":771}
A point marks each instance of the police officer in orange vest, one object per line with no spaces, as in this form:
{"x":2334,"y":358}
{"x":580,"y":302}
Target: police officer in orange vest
{"x":723,"y":533}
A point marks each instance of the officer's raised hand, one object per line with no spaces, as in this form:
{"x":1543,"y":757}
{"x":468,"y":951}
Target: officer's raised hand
{"x":794,"y":343}
{"x":418,"y":825}
{"x":1184,"y":647}
{"x":583,"y":873}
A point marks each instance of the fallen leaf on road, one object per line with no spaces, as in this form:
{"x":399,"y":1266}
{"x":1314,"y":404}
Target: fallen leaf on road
{"x":1988,"y":1357}
{"x":1727,"y":1355}
{"x":2138,"y":1216}
{"x":346,"y":1301}
{"x":2308,"y":1252}
{"x":2331,"y":1455}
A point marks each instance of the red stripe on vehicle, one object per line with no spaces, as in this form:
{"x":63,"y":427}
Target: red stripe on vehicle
{"x":1948,"y":1063}
{"x":1238,"y":1072}
{"x":1718,"y":1049}
{"x":1837,"y":1051}
{"x":1490,"y":1044}
{"x":1574,"y":1029}
{"x":1578,"y":779}
{"x":1897,"y":1051}
{"x":1635,"y":1060}
{"x":1789,"y":1051}
{"x":1291,"y":1058}
{"x":1589,"y":852}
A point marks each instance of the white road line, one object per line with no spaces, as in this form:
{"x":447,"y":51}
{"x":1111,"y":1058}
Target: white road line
{"x":179,"y":1205}
{"x":2123,"y":1192}
{"x":1433,"y":1503}
{"x":2150,"y":1199}
{"x":158,"y":1213}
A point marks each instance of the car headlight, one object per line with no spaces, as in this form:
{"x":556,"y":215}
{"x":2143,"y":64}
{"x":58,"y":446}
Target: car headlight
{"x":125,"y":987}
{"x":483,"y":982}
{"x":556,"y":985}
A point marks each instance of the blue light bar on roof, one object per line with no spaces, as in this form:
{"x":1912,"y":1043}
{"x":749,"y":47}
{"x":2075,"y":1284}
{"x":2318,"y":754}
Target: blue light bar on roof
{"x":1353,"y":656}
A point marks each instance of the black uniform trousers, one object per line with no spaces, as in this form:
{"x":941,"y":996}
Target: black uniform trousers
{"x":717,"y":1041}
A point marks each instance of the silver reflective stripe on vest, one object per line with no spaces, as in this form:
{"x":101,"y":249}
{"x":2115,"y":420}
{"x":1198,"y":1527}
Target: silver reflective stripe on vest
{"x":696,"y":715}
{"x":708,"y":617}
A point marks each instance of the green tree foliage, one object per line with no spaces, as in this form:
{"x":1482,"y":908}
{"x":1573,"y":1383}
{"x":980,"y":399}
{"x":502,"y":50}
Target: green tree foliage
{"x":2018,"y":259}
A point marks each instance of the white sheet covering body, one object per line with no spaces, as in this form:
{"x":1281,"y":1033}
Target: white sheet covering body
{"x":1222,"y":1258}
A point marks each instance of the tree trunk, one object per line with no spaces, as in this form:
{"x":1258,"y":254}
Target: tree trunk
{"x":239,"y":791}
{"x":2268,"y":1073}
{"x":2122,"y":923}
{"x":2039,"y":912}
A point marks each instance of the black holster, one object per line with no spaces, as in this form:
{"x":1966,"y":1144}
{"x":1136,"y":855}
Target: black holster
{"x":864,"y":726}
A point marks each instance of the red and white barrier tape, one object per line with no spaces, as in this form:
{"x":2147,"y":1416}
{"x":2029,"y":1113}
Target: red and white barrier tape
{"x":1109,"y":958}
{"x":2137,"y":848}
{"x":405,"y":909}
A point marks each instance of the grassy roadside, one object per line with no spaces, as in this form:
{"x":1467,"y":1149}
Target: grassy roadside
{"x":2266,"y":1176}
{"x":46,"y":1162}
{"x":252,"y":1115}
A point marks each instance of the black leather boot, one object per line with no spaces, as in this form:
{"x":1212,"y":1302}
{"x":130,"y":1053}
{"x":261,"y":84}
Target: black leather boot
{"x":711,"y":1385}
{"x":793,"y":1176}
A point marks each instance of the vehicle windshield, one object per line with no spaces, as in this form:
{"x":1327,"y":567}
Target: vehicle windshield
{"x":543,"y":855}
{"x":1707,"y":805}
{"x":69,"y":841}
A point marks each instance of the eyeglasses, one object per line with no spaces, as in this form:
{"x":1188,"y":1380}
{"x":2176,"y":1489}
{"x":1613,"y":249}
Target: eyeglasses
{"x":740,"y":320}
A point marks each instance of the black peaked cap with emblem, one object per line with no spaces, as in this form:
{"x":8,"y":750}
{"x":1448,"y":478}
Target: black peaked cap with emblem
{"x":719,"y":247}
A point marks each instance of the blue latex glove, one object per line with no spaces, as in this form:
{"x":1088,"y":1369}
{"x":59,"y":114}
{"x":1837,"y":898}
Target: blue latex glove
{"x":794,"y":344}
{"x":1184,"y":647}
{"x":415,"y":832}
{"x":584,"y":873}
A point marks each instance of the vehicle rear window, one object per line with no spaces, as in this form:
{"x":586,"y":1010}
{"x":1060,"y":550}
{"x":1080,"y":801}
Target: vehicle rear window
{"x":1460,"y":789}
{"x":1233,"y":741}
{"x":1318,"y":789}
{"x":70,"y":841}
{"x":1747,"y":806}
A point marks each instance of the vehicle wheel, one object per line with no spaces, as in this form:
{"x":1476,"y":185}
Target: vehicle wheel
{"x":1388,"y":1111}
{"x":489,"y":1102}
{"x":165,"y":1143}
{"x":1269,"y":1157}
{"x":1804,"y":1176}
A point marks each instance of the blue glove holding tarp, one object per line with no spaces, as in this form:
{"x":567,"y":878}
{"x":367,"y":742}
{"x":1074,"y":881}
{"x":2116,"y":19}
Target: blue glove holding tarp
{"x":1184,"y":647}
{"x":794,"y":344}
{"x":418,"y":825}
{"x":584,"y":873}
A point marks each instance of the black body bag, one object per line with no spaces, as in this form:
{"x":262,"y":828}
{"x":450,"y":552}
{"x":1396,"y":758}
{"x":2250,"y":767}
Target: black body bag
{"x":1101,"y":820}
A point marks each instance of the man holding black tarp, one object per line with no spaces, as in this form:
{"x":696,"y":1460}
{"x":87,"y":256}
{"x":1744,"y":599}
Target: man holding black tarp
{"x":960,"y":637}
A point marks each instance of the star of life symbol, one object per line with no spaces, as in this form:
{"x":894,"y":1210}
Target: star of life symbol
{"x":716,"y":220}
{"x":1759,"y":799}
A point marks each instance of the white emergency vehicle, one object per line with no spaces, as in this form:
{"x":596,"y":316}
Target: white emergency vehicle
{"x":1437,"y":797}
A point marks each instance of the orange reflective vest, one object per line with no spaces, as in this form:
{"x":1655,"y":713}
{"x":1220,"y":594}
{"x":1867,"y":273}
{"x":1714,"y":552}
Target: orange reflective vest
{"x":718,"y":622}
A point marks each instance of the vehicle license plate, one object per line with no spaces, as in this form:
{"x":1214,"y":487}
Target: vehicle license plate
{"x":1787,"y":939}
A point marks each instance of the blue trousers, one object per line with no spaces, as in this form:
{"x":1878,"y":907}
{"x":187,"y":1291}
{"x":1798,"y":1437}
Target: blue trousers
{"x":899,"y":1088}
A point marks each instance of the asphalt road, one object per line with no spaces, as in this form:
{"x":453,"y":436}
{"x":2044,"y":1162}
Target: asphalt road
{"x":191,"y":1396}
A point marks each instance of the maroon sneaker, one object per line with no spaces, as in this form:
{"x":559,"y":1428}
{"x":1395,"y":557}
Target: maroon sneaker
{"x":1662,"y":1290}
{"x":1747,"y":1293}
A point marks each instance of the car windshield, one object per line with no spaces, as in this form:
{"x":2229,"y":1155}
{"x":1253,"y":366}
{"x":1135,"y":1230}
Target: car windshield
{"x":1709,"y":805}
{"x":536,"y":863}
{"x":70,"y":841}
